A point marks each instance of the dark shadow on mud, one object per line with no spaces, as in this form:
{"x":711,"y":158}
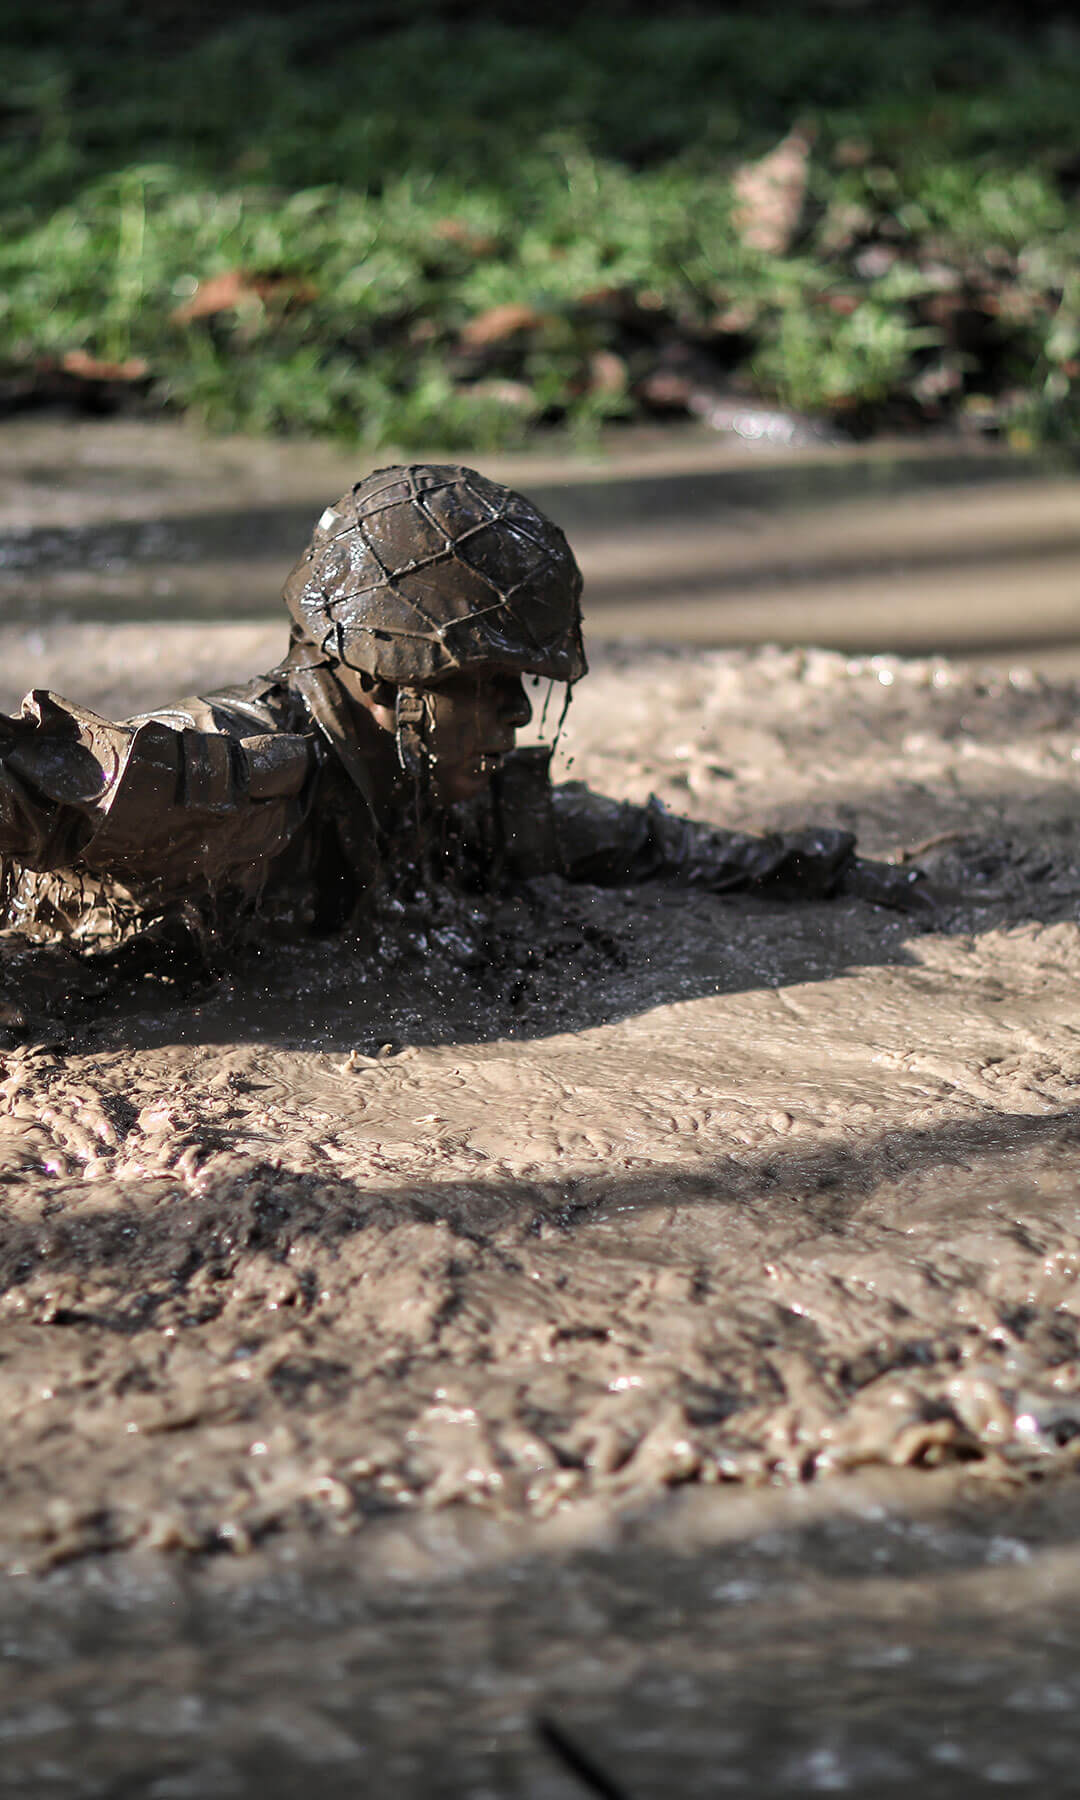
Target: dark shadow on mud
{"x":548,"y":960}
{"x":540,"y":965}
{"x":149,"y":1254}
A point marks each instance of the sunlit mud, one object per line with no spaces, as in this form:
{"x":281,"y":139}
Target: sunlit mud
{"x":900,"y":545}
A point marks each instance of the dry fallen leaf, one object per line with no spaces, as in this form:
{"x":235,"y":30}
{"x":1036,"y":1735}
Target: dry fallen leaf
{"x":225,"y":293}
{"x":844,"y":304}
{"x":738,"y":317}
{"x":476,"y":243}
{"x":666,"y":390}
{"x":500,"y":323}
{"x":770,"y":193}
{"x":88,"y":368}
{"x":516,"y":395}
{"x":607,"y":373}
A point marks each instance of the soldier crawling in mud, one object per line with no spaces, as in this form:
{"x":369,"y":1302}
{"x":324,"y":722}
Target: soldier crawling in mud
{"x":386,"y":737}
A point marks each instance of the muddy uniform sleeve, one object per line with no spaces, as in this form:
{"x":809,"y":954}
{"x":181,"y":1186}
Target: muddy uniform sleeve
{"x":588,"y":837}
{"x":204,"y":793}
{"x":57,"y":766}
{"x":611,"y":842}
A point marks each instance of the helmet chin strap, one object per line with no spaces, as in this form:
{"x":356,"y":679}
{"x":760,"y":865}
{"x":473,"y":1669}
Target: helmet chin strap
{"x":410,"y":715}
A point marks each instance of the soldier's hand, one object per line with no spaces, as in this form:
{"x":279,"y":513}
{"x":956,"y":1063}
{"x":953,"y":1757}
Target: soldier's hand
{"x":903,"y":889}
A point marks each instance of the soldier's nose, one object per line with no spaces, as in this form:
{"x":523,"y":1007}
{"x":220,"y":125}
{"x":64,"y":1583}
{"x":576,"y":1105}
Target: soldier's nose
{"x":515,"y":707}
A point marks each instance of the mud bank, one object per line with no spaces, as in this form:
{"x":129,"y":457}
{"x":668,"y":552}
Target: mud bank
{"x":589,"y":1194}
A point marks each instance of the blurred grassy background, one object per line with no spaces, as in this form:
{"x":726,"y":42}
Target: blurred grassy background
{"x":416,"y":225}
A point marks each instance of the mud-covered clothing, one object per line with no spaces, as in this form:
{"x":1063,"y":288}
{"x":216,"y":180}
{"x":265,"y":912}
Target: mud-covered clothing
{"x":204,"y":792}
{"x":569,"y":829}
{"x":102,"y":824}
{"x":257,"y":796}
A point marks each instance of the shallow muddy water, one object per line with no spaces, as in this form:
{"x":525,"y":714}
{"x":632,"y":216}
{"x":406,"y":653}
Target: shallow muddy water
{"x":579,"y":1192}
{"x":624,"y":1342}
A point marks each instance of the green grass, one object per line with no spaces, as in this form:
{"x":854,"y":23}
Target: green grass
{"x":385,"y":188}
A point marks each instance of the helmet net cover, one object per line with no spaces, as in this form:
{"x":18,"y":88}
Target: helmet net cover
{"x":423,"y":570}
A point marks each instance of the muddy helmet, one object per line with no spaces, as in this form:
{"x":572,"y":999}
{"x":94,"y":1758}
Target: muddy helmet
{"x":426,"y":569}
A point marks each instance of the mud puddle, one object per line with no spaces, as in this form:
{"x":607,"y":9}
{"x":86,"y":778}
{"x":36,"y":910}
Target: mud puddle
{"x":590,"y":1193}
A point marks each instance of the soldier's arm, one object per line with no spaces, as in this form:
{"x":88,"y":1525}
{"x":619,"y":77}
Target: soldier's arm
{"x":190,"y":796}
{"x":56,"y":766}
{"x":611,"y":842}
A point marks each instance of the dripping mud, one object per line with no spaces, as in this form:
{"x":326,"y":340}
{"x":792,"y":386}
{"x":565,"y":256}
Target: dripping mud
{"x":588,"y":1284}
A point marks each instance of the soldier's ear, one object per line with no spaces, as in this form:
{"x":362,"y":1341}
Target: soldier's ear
{"x":379,"y":693}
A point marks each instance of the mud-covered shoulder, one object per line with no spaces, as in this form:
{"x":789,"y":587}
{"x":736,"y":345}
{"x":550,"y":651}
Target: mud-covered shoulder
{"x":163,"y":809}
{"x":267,"y":703}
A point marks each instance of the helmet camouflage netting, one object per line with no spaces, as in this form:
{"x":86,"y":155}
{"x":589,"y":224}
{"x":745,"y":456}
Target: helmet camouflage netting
{"x":426,"y":569}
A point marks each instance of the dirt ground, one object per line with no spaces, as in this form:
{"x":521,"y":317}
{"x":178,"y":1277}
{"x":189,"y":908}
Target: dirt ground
{"x":576,"y":1198}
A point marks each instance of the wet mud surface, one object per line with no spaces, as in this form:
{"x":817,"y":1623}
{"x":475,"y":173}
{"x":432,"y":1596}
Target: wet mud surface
{"x":530,"y":1270}
{"x":580,"y":1192}
{"x":903,"y":1634}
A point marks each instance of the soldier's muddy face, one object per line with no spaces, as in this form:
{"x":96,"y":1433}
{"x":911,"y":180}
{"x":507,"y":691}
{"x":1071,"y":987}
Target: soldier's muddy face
{"x":471,"y":722}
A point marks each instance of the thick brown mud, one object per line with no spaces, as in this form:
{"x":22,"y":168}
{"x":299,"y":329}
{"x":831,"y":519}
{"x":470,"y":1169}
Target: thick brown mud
{"x":586,"y":1194}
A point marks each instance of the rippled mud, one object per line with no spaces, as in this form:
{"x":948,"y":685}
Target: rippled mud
{"x":467,"y":1257}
